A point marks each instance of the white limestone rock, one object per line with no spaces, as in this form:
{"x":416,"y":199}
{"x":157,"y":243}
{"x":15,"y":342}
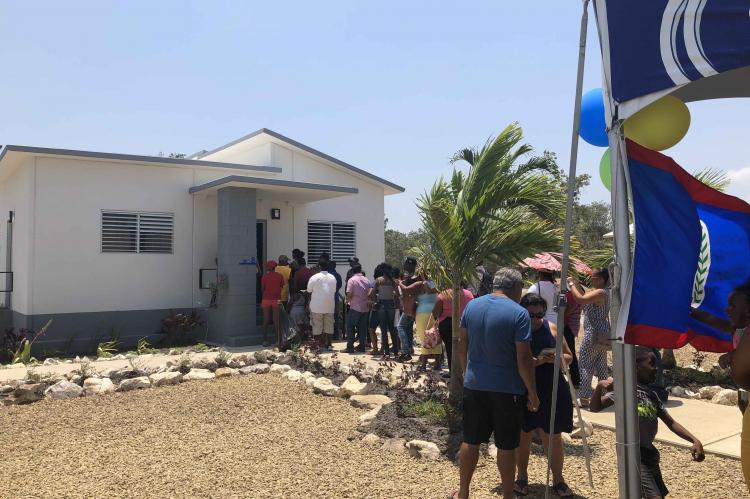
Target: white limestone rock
{"x":63,"y":390}
{"x":225,"y":372}
{"x":280,"y":368}
{"x":255,"y":369}
{"x":423,"y":449}
{"x":709,"y":392}
{"x":369,"y":401}
{"x":397,"y":445}
{"x":371,"y":439}
{"x":98,"y":386}
{"x":293,"y":375}
{"x":198,"y":374}
{"x":725,"y":397}
{"x":352,"y":386}
{"x":127,"y":385}
{"x":324,"y":386}
{"x":369,"y":416}
{"x":166,"y":378}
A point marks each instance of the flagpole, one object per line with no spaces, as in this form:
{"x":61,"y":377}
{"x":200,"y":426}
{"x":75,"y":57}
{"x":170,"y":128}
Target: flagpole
{"x":562,"y":303}
{"x":623,"y":355}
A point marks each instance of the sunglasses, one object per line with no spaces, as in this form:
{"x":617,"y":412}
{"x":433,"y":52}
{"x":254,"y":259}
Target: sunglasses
{"x":537,"y":316}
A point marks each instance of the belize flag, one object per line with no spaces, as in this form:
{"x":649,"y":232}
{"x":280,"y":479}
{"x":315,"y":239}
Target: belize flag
{"x":692,"y":248}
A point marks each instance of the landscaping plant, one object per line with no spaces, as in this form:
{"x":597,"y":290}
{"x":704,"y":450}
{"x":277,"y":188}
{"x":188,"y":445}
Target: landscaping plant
{"x":17,"y":346}
{"x":177,"y":327}
{"x":505,"y":208}
{"x":144,"y":347}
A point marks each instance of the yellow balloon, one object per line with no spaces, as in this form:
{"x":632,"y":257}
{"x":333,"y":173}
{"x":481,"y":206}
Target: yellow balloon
{"x":660,"y":125}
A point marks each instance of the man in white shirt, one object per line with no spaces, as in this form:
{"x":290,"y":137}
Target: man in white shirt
{"x":322,"y":289}
{"x":548,"y":290}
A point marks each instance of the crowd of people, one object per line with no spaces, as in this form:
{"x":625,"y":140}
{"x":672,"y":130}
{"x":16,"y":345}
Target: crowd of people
{"x":507,"y":353}
{"x":506,"y":349}
{"x":404,"y":305}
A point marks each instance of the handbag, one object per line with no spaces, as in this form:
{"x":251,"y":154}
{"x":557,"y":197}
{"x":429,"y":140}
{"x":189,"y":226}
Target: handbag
{"x":431,"y":335}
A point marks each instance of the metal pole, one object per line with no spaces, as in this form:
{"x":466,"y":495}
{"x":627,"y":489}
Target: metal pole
{"x":623,"y":355}
{"x":562,"y":304}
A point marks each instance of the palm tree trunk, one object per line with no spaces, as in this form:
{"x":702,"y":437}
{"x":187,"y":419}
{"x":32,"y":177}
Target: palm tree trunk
{"x":457,"y":382}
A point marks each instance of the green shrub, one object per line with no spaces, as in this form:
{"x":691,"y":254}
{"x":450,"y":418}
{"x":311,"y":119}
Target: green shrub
{"x":436,"y":411}
{"x":200,"y":347}
{"x":106,"y":349}
{"x":145,"y":347}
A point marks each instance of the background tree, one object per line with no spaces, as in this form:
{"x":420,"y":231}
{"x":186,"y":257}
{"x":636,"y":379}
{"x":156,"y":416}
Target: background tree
{"x":503,"y":209}
{"x":398,"y":245}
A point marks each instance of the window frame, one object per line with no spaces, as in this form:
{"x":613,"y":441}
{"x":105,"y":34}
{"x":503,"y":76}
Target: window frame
{"x":138,"y":215}
{"x":329,"y":250}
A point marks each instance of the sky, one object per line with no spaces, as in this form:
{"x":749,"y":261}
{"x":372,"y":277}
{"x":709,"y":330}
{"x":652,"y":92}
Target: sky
{"x":394,"y":88}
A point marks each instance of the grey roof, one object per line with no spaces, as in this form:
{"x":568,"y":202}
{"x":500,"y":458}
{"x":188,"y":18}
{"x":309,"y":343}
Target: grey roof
{"x":272,"y":181}
{"x":134,"y":157}
{"x":304,"y":148}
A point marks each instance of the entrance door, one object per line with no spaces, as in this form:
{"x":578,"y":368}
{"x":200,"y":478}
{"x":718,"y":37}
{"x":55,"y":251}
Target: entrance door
{"x":260,"y":252}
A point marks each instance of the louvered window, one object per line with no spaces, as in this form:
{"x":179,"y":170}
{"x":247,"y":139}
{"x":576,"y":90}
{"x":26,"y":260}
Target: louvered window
{"x":128,"y":232}
{"x":338,"y":239}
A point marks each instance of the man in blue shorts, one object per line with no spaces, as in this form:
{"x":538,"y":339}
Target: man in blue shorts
{"x":495,"y":353}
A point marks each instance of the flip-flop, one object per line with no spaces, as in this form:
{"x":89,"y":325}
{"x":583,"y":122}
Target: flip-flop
{"x":562,"y":490}
{"x":521,"y":487}
{"x":453,"y":494}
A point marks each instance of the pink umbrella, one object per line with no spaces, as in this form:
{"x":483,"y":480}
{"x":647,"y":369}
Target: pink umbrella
{"x":552,"y":263}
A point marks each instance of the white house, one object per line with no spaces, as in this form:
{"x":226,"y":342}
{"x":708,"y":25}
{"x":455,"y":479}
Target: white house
{"x":110,"y":243}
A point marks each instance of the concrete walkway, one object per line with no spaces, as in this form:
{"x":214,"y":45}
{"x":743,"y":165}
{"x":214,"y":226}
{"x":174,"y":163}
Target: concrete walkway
{"x":717,"y":426}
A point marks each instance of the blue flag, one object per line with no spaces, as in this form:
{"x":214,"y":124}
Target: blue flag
{"x":692,"y":248}
{"x":654,"y":45}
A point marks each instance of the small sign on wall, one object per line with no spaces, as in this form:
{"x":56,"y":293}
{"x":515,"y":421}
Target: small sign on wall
{"x":275,"y":213}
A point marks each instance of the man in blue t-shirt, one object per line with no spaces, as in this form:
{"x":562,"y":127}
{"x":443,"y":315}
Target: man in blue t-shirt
{"x":494,"y":348}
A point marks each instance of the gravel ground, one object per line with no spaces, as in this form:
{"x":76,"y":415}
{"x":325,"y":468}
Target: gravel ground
{"x":262,"y":436}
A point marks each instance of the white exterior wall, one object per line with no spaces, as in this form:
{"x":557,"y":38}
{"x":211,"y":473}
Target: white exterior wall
{"x":57,"y":260}
{"x":242,"y":154}
{"x":280,"y":236}
{"x":71,"y":274}
{"x":17,"y":196}
{"x":365,"y":209}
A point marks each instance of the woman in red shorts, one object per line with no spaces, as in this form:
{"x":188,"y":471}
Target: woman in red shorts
{"x":271,"y":284}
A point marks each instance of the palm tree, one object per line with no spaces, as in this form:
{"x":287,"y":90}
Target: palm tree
{"x":503,"y":209}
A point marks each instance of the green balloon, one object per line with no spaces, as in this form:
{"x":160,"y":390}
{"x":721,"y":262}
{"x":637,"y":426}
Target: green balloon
{"x":605,"y":171}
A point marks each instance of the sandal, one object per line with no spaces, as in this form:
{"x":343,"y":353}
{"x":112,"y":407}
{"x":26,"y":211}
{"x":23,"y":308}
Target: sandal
{"x":521,"y":487}
{"x":562,"y":490}
{"x":452,"y":494}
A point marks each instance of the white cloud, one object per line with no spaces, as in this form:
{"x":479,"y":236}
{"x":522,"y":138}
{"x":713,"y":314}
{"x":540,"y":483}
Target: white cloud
{"x":740,"y":183}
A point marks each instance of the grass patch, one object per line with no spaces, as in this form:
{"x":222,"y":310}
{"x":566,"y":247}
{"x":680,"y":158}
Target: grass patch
{"x":434,"y":410}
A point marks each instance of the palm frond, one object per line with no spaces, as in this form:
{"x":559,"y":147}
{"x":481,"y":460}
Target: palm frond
{"x":716,"y":179}
{"x":469,"y":154}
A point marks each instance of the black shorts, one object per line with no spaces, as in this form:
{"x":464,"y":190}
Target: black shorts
{"x":488,"y":412}
{"x":652,"y":484}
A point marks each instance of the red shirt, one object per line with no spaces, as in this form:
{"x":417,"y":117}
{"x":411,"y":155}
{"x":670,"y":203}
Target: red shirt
{"x":301,"y":277}
{"x":271,"y":283}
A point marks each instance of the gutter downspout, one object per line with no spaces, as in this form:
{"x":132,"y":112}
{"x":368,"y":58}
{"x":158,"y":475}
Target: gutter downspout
{"x":9,"y":257}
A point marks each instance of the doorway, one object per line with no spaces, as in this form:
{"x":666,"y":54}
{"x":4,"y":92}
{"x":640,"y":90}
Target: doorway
{"x":260,"y":252}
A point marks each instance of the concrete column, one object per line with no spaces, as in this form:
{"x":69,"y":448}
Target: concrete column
{"x":236,"y":242}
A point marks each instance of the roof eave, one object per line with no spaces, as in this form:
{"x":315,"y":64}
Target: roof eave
{"x":134,"y":158}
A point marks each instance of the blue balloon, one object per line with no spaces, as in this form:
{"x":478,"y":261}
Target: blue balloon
{"x":593,"y":125}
